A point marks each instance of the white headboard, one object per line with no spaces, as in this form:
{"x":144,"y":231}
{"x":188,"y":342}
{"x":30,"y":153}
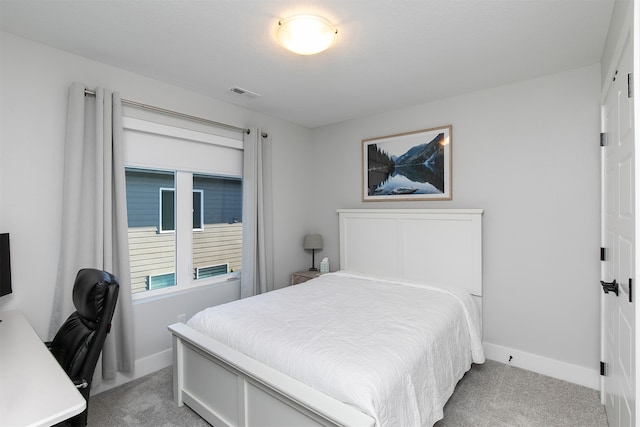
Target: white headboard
{"x":438,"y":245}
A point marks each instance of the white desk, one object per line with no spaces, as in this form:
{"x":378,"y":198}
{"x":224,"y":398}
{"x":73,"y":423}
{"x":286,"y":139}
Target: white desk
{"x":34,"y":389}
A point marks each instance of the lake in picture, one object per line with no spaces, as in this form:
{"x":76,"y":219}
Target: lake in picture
{"x":406,"y":166}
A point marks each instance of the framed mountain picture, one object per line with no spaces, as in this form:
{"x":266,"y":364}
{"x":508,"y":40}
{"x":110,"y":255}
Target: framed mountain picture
{"x":408,"y":166}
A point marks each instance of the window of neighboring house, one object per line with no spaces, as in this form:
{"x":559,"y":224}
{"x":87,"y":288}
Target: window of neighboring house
{"x":167,"y":210}
{"x":198,"y":196}
{"x":184,"y":206}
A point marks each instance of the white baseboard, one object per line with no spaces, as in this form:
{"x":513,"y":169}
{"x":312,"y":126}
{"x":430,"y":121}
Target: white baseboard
{"x":520,"y":359}
{"x":143,"y":367}
{"x":543,"y":365}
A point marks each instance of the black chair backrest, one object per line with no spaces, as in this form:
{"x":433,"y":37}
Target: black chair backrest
{"x":79,"y":341}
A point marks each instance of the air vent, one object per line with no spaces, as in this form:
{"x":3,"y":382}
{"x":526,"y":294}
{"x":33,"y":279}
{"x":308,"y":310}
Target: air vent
{"x":239,"y":91}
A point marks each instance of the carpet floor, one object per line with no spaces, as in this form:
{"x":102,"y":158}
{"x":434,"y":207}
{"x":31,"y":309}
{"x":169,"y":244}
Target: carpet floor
{"x":489,"y":395}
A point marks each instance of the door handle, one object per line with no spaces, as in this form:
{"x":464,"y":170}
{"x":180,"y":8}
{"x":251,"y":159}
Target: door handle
{"x":610,"y":287}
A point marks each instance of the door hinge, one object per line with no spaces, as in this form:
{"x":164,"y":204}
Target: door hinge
{"x":603,"y":254}
{"x":630,"y":85}
{"x":603,"y":139}
{"x":630,"y":289}
{"x":603,"y":369}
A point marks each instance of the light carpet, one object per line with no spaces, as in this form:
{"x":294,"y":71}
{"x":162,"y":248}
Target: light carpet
{"x":489,"y":395}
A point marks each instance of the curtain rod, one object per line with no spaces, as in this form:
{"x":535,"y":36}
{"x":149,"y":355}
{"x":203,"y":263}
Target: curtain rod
{"x":174,"y":113}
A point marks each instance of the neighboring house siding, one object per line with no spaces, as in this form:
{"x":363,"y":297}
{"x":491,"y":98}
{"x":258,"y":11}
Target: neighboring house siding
{"x":152,"y":253}
{"x":218,"y":244}
{"x":222,"y":199}
{"x":143,"y":197}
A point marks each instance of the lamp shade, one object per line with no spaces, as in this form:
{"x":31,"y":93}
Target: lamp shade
{"x":312,"y":241}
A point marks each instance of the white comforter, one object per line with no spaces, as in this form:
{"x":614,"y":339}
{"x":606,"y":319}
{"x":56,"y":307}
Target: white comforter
{"x":394,"y":349}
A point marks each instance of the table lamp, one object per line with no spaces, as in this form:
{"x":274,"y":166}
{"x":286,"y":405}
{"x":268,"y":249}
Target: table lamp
{"x":313,"y":242}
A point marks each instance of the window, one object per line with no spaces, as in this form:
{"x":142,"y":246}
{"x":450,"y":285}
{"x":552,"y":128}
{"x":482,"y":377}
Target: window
{"x":184,"y":206}
{"x":167,"y":210}
{"x":197,"y":209}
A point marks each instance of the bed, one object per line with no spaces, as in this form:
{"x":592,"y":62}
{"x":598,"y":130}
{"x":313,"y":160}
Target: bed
{"x":337,"y":350}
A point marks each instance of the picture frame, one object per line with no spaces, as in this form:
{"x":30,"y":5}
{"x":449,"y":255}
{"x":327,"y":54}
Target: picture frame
{"x":408,"y":166}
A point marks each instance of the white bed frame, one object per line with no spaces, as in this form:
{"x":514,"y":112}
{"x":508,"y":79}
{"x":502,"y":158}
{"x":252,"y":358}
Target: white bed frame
{"x":228,"y":388}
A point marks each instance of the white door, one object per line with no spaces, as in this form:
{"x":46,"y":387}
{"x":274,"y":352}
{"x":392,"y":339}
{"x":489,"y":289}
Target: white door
{"x":618,"y":222}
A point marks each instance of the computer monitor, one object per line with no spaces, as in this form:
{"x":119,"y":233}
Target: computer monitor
{"x":5,"y":265}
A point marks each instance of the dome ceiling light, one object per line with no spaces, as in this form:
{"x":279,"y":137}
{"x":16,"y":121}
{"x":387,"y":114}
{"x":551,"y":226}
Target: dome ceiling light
{"x":306,"y":34}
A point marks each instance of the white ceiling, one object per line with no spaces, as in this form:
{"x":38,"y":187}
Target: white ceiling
{"x":388,"y":54}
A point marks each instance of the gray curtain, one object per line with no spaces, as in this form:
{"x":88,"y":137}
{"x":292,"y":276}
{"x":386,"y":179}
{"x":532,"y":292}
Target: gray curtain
{"x":257,"y":218}
{"x":94,"y":212}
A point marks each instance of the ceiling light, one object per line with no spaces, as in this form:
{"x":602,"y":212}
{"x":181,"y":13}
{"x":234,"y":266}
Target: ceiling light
{"x":306,"y":34}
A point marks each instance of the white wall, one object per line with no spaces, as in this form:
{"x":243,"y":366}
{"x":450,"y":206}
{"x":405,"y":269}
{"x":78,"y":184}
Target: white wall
{"x":34,"y":84}
{"x":528,"y":155}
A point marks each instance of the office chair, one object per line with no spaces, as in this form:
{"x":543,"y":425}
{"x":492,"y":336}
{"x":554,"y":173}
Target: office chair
{"x":79,"y":341}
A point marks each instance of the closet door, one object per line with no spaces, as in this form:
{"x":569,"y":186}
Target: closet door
{"x":618,"y":232}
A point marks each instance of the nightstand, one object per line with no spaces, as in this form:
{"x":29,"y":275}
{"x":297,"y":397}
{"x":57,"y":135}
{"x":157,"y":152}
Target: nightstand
{"x":303,"y":276}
